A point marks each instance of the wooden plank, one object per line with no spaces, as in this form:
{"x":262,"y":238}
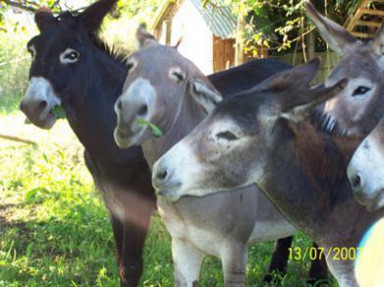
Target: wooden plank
{"x":168,"y":32}
{"x":363,"y":35}
{"x":372,"y":12}
{"x":368,"y":23}
{"x":161,"y":13}
{"x":350,"y":24}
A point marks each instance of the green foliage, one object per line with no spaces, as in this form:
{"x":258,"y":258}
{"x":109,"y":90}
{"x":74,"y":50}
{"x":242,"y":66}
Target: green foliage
{"x":133,"y":8}
{"x":278,"y":24}
{"x":14,"y":61}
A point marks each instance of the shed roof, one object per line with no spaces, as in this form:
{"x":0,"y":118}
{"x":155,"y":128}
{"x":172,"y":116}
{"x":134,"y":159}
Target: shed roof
{"x":220,"y":20}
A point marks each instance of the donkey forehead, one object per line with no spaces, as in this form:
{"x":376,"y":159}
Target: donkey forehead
{"x":159,"y":57}
{"x":244,"y":110}
{"x":55,"y":38}
{"x":363,"y":64}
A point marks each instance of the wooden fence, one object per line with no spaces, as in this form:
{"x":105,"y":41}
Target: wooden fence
{"x":328,"y":60}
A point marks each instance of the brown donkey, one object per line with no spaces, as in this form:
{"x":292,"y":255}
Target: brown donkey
{"x":166,"y":89}
{"x":263,"y":136}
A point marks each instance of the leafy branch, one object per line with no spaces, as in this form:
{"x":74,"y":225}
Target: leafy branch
{"x":27,"y":6}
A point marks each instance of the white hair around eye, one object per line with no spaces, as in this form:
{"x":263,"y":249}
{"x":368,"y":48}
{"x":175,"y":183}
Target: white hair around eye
{"x":176,"y":74}
{"x":32,"y":50}
{"x":69,"y":56}
{"x":131,"y":64}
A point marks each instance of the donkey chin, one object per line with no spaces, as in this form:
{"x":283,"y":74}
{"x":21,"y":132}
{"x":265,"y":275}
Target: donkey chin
{"x":176,"y":189}
{"x":48,"y":122}
{"x":44,"y":121}
{"x":171,"y":195}
{"x":125,"y":139}
{"x":372,"y":203}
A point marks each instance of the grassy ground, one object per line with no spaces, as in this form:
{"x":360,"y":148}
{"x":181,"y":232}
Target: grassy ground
{"x":54,"y":229}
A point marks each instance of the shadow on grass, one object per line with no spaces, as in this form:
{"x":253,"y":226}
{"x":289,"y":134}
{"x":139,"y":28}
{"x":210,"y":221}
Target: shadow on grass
{"x":54,"y":253}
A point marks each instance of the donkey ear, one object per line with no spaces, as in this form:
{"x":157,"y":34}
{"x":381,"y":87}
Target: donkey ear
{"x":144,"y":38}
{"x":93,"y":16}
{"x":378,"y":43}
{"x":205,"y":95}
{"x":297,"y":77}
{"x":298,"y":108}
{"x":44,"y":18}
{"x":339,"y":39}
{"x":179,"y":42}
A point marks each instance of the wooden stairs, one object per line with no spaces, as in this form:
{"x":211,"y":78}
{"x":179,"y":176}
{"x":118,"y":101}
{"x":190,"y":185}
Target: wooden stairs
{"x":367,"y":19}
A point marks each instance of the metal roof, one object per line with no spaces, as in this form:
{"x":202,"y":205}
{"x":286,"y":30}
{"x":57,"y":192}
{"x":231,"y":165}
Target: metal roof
{"x":220,"y":20}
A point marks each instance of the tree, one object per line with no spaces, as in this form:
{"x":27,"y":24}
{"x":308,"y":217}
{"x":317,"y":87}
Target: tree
{"x":29,"y":5}
{"x":278,"y":24}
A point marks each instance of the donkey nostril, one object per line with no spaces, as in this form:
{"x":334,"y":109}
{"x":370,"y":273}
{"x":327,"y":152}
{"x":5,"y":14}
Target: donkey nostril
{"x":162,"y":175}
{"x":119,"y":105}
{"x":143,"y":110}
{"x":356,"y":182}
{"x":43,"y":105}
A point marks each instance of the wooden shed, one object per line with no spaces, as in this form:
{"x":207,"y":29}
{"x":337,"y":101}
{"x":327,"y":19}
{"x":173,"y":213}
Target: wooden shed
{"x":208,"y":33}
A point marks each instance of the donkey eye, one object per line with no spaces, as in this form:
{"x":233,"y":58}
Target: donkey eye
{"x":361,"y":91}
{"x":229,"y":136}
{"x":69,"y":56}
{"x":72,"y":56}
{"x":178,"y":76}
{"x":129,"y":66}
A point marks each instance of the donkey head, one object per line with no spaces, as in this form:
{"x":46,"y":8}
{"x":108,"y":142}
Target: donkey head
{"x":159,"y":81}
{"x":366,"y":170}
{"x":62,"y":56}
{"x":358,"y":108}
{"x":231,"y":147}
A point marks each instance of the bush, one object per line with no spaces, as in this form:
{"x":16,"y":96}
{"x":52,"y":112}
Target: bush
{"x":14,"y":59}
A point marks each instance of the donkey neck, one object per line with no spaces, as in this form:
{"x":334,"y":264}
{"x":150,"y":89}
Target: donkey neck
{"x":307,"y":182}
{"x":91,"y":107}
{"x":179,"y":125}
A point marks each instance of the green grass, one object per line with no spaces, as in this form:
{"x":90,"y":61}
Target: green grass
{"x":55,"y":230}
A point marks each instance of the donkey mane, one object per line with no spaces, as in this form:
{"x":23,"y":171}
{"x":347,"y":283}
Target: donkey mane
{"x":118,"y":57}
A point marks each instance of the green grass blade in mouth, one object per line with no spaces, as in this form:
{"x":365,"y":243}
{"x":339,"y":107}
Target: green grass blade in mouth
{"x":59,"y":112}
{"x":156,"y":131}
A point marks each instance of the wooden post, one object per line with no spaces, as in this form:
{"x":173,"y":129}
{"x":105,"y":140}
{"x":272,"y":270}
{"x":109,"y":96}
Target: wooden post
{"x":168,"y":32}
{"x":239,"y":53}
{"x":311,"y":45}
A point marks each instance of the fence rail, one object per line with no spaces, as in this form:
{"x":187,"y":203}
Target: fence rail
{"x":329,"y":61}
